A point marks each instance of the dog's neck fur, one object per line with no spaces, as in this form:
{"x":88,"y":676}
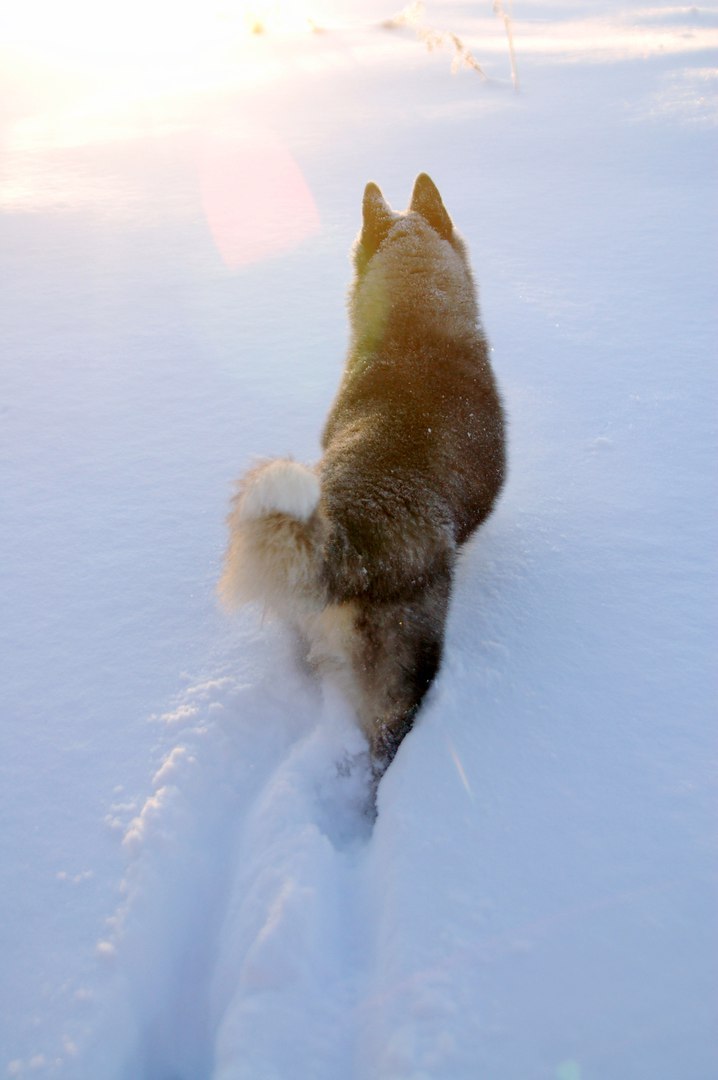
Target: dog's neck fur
{"x":418,"y":282}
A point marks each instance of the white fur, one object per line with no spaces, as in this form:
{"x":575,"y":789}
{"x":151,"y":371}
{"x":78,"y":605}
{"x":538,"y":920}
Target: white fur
{"x":281,"y":487}
{"x":273,"y":541}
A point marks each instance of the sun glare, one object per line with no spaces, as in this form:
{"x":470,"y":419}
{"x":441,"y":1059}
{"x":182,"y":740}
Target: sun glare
{"x":91,"y":73}
{"x":89,"y":33}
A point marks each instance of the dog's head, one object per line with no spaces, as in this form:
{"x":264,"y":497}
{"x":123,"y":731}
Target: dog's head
{"x":379,"y":220}
{"x":409,"y":262}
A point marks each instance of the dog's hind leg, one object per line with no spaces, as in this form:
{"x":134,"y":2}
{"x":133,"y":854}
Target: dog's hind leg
{"x":397,"y":655}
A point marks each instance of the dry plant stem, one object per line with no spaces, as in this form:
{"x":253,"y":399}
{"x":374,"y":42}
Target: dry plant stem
{"x":411,"y":16}
{"x":463,"y":56}
{"x":499,"y":10}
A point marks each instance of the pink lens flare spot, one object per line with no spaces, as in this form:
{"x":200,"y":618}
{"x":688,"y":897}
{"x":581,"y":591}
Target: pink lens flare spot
{"x":254,"y":195}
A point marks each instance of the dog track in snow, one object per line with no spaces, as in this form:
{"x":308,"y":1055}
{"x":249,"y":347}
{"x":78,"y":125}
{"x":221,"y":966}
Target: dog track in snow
{"x":241,"y":946}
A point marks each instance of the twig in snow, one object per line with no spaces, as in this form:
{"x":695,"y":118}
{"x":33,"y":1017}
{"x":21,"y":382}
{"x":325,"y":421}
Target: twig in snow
{"x":499,"y":10}
{"x":412,"y":16}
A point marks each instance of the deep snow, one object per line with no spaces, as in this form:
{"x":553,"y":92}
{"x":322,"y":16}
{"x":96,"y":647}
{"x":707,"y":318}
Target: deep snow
{"x":190,"y":886}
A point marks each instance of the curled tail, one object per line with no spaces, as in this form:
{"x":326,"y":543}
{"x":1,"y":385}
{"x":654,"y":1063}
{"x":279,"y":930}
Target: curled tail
{"x":275,"y":541}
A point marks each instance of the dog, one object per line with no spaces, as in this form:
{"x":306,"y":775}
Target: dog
{"x":359,"y":552}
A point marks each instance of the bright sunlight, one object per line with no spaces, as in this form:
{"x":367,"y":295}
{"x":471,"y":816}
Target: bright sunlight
{"x":87,"y":33}
{"x":90,"y":73}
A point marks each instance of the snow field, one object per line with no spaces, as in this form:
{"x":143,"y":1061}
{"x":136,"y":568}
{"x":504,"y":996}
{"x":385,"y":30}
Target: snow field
{"x":536,"y":899}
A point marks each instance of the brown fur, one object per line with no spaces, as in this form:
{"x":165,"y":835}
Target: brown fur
{"x":413,"y":461}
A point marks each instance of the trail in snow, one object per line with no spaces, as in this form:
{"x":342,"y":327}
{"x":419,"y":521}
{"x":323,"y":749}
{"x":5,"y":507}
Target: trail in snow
{"x":240,"y":944}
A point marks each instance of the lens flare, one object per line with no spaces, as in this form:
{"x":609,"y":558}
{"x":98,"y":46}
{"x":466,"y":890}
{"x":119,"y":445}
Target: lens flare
{"x":254,"y":195}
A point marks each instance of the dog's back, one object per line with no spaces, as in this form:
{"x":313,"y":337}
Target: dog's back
{"x":413,"y":461}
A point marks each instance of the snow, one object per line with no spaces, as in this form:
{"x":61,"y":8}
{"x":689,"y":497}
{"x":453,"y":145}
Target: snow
{"x":191,"y":886}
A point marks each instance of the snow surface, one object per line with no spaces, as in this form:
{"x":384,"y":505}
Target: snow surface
{"x":190,"y":886}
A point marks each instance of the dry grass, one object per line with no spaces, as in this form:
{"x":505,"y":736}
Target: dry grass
{"x":412,"y":17}
{"x":508,"y":26}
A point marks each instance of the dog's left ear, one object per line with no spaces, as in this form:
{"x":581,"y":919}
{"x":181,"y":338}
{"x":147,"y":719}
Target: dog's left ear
{"x":377,"y":219}
{"x":426,"y":200}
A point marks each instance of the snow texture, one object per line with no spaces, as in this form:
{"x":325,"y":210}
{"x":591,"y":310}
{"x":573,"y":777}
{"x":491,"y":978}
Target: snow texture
{"x":192,"y":886}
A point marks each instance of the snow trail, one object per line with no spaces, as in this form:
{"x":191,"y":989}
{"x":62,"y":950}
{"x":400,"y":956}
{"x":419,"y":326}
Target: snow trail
{"x":294,"y":933}
{"x":244,"y":918}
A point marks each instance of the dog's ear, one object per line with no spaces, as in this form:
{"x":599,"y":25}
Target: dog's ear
{"x":377,"y":219}
{"x":426,"y":200}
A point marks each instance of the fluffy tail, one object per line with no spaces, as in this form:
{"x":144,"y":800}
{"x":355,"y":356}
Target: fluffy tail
{"x":275,"y":535}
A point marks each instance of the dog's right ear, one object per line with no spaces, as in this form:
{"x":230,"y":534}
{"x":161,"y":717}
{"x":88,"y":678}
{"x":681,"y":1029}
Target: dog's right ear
{"x":426,"y":200}
{"x":377,"y":219}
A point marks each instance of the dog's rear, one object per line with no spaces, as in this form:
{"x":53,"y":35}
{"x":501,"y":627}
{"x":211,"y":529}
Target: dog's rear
{"x":383,"y":655}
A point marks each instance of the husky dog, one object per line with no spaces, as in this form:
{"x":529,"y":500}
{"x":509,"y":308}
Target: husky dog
{"x":359,"y":551}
